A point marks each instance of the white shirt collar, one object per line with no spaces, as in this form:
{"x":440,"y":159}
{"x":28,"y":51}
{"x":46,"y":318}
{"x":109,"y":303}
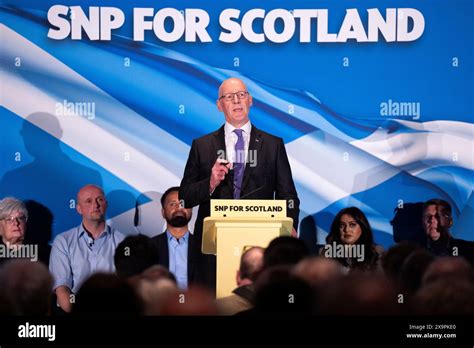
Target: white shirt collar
{"x":229,"y":129}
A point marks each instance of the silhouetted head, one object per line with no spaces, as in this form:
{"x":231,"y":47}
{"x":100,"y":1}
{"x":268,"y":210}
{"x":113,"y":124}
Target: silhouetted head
{"x":251,"y":263}
{"x":318,"y":271}
{"x":413,"y":269}
{"x":41,"y":128}
{"x":450,"y":267}
{"x":277,"y":290}
{"x":194,"y":301}
{"x":106,"y":294}
{"x":284,"y":251}
{"x":395,"y":256}
{"x":134,"y":255}
{"x":445,"y":297}
{"x":359,"y":294}
{"x":27,"y":287}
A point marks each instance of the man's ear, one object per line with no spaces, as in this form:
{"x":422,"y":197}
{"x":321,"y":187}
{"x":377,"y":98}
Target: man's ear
{"x":250,"y":100}
{"x":450,"y":221}
{"x":79,"y":209}
{"x":163,"y":213}
{"x":219,"y":106}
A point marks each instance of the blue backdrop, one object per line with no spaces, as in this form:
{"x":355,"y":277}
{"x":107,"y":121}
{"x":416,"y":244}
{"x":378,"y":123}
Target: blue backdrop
{"x":375,"y":125}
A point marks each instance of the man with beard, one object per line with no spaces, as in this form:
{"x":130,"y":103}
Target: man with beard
{"x":177,"y":249}
{"x":437,"y":219}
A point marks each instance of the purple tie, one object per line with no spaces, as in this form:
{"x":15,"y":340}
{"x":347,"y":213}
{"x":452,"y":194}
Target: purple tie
{"x":239,"y":163}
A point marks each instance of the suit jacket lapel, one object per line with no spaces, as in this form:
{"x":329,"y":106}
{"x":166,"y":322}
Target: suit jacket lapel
{"x":163,"y":252}
{"x":219,"y":141}
{"x":219,"y":146}
{"x":256,"y":142}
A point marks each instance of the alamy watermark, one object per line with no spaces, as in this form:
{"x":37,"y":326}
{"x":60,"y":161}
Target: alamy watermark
{"x":240,"y":157}
{"x":20,"y":251}
{"x":345,"y":251}
{"x":68,"y":108}
{"x":396,"y":109}
{"x":28,"y":330}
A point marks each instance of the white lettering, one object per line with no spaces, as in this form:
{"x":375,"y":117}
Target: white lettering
{"x":37,"y":331}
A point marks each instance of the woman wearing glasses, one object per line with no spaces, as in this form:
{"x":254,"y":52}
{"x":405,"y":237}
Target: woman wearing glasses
{"x":13,"y":217}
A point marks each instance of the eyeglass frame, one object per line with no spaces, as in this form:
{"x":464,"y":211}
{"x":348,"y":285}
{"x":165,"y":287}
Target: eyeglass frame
{"x":20,"y":219}
{"x":230,"y":96}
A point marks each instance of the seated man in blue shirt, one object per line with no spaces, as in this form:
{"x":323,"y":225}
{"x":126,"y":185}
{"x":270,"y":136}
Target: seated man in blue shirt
{"x":177,"y":249}
{"x":86,"y":249}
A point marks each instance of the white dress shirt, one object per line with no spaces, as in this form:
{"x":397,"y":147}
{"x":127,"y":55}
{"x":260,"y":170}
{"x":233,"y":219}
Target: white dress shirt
{"x":231,"y":140}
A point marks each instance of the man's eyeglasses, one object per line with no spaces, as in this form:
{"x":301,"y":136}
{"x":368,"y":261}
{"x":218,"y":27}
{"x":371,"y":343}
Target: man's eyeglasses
{"x":230,"y":96}
{"x":20,"y":219}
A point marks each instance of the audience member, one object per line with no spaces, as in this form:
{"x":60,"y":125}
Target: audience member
{"x":105,"y":294}
{"x":394,"y":258}
{"x":194,"y":301}
{"x":412,"y":271}
{"x":134,"y":255}
{"x":26,"y":288}
{"x":278,"y":291}
{"x":284,"y":251}
{"x":359,"y":293}
{"x":437,"y":220}
{"x":242,"y":297}
{"x":446,"y":268}
{"x":318,"y":272}
{"x":445,"y":297}
{"x":85,"y":249}
{"x":177,"y":248}
{"x":156,"y":286}
{"x":350,"y":241}
{"x":13,"y":218}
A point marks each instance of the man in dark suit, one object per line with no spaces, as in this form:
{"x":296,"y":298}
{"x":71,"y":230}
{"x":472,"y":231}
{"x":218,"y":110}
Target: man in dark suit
{"x":176,"y":246}
{"x":236,"y":161}
{"x":437,"y":220}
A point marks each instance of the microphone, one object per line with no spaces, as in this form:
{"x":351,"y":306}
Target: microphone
{"x":256,"y":190}
{"x":229,"y":177}
{"x":230,"y":174}
{"x":136,"y":215}
{"x":226,"y":163}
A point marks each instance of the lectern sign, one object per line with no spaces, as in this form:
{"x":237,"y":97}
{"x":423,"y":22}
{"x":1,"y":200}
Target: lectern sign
{"x":248,"y":208}
{"x":236,"y":224}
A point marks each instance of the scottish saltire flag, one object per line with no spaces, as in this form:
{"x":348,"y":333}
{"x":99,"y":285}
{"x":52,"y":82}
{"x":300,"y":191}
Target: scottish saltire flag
{"x":372,"y":125}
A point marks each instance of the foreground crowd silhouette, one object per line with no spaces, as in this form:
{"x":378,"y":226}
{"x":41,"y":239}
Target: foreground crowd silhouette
{"x":283,"y":278}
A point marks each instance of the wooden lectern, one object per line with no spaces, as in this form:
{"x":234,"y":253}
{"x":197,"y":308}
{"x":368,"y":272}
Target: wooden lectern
{"x":237,"y":224}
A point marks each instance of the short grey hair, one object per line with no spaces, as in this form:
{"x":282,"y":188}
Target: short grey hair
{"x":9,"y":205}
